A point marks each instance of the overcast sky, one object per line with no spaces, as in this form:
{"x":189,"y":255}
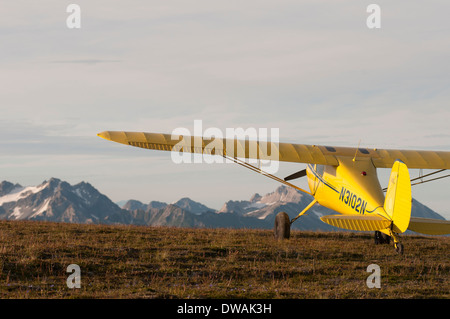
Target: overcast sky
{"x":313,"y":69}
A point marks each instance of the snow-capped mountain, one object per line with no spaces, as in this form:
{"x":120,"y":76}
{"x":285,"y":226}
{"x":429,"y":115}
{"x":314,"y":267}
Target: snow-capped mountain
{"x":283,"y":199}
{"x":255,"y":207}
{"x":56,"y":200}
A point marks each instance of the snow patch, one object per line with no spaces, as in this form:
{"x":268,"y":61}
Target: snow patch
{"x":263,"y":216}
{"x":256,"y":205}
{"x":42,"y":209}
{"x":17,"y":213}
{"x":84,"y":195}
{"x":78,"y":192}
{"x":21,"y":192}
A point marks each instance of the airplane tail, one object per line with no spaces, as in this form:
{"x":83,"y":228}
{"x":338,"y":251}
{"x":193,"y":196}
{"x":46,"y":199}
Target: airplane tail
{"x":397,"y":203}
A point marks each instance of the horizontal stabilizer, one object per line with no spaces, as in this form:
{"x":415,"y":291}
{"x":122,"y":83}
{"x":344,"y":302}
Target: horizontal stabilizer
{"x":357,"y":222}
{"x":429,"y":226}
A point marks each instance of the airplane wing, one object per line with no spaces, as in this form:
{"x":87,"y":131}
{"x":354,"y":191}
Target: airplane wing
{"x":429,"y":226}
{"x":284,"y":152}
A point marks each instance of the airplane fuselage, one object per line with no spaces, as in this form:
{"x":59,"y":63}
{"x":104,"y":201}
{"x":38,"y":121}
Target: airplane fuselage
{"x":352,"y":188}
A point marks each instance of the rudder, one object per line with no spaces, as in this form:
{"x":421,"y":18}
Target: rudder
{"x":397,"y":203}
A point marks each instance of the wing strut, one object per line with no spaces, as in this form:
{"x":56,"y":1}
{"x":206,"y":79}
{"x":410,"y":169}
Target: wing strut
{"x":304,"y":210}
{"x":260,"y":171}
{"x":429,"y":180}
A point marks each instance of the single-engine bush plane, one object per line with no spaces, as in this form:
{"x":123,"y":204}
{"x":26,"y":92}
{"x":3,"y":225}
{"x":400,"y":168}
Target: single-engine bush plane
{"x":343,"y":179}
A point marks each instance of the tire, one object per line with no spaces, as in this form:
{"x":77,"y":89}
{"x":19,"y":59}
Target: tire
{"x":377,"y":237}
{"x":386,"y":239}
{"x":399,"y":248}
{"x":282,"y":229}
{"x":381,"y":238}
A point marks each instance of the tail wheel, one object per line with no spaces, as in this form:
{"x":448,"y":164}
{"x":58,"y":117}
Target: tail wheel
{"x":397,"y":244}
{"x":282,"y":229}
{"x":399,"y":248}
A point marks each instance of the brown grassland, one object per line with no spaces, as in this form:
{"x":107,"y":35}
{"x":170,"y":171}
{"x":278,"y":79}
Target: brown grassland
{"x":165,"y":262}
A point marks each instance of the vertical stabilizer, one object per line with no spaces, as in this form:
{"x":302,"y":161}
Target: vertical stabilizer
{"x":398,"y":197}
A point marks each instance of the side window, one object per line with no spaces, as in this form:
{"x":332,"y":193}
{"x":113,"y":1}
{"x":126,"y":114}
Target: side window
{"x":319,"y":170}
{"x":330,"y":170}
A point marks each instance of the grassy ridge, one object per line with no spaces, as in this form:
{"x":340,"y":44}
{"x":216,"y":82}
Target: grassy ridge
{"x":161,"y":262}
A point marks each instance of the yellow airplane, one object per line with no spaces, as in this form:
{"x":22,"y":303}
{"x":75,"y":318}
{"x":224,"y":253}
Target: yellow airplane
{"x":343,"y":179}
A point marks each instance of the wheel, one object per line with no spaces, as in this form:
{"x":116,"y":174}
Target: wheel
{"x":386,"y":238}
{"x":377,"y":237}
{"x":381,"y":238}
{"x":282,"y":229}
{"x":399,"y":248}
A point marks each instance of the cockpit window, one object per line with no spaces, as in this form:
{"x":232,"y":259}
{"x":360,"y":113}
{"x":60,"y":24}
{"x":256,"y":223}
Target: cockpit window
{"x":319,"y":169}
{"x":330,"y":170}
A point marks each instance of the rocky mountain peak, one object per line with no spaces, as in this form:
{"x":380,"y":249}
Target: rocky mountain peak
{"x":133,"y":204}
{"x":6,"y":187}
{"x":58,"y":201}
{"x":255,"y":198}
{"x":282,"y":194}
{"x":192,"y":206}
{"x":257,"y":202}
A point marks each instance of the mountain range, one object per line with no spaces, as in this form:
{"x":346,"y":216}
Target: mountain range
{"x":58,"y":201}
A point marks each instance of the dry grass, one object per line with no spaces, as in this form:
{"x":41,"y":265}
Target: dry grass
{"x":161,"y":262}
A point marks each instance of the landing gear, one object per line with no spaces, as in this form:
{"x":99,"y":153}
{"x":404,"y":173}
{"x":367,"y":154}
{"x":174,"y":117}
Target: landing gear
{"x":282,"y":229}
{"x":381,"y":238}
{"x":397,"y":244}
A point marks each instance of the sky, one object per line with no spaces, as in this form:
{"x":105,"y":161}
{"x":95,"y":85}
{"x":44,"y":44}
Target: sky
{"x":313,"y":69}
